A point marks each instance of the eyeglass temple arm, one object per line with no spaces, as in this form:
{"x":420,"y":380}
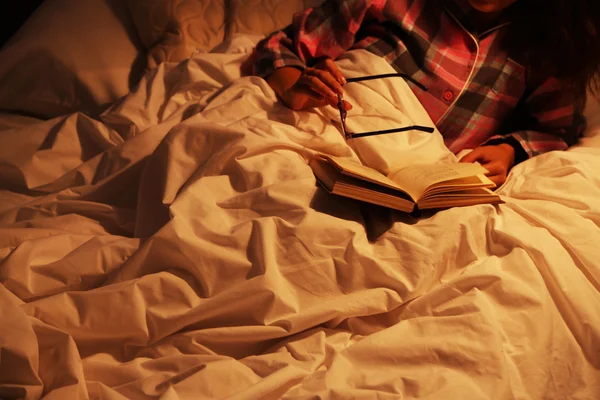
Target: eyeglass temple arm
{"x":403,"y":129}
{"x":405,"y":76}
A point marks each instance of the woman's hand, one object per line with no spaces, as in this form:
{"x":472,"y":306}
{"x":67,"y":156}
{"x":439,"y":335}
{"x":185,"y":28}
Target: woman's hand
{"x":313,"y":87}
{"x":498,"y":160}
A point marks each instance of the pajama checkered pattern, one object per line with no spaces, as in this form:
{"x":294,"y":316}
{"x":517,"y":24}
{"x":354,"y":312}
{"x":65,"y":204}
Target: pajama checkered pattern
{"x":478,"y":93}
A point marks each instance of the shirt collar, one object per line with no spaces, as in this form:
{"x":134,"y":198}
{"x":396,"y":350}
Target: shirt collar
{"x":462,"y":11}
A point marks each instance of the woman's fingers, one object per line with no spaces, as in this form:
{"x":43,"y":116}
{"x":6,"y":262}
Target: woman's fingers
{"x":315,"y":84}
{"x":497,"y":179}
{"x":322,"y":82}
{"x":328,"y":79}
{"x":496,"y":172}
{"x":316,"y":91}
{"x":321,"y":85}
{"x":330,"y":66}
{"x":494,"y":168}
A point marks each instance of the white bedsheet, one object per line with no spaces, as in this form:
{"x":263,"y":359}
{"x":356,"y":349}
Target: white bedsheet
{"x":180,"y":249}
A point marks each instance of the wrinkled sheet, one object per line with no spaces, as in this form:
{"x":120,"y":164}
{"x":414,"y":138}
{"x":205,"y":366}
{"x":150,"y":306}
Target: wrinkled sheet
{"x":179,"y":248}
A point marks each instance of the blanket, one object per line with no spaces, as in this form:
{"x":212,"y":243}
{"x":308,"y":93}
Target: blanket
{"x":179,"y":247}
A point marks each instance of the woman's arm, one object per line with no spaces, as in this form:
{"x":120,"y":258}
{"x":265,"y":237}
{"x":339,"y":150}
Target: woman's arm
{"x":309,"y":88}
{"x":297,"y":61}
{"x":326,"y":31}
{"x":551,"y":118}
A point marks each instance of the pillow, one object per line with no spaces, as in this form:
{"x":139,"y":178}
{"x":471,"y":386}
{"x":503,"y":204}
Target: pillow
{"x":69,"y":56}
{"x":171,"y":30}
{"x":264,"y":16}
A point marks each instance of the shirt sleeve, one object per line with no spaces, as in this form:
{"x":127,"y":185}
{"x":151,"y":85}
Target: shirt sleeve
{"x":325,"y":31}
{"x":553,"y":120}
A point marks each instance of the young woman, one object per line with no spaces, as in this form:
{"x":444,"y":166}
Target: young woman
{"x":505,"y":77}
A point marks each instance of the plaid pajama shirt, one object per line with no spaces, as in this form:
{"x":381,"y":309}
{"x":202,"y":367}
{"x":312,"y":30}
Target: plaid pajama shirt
{"x":478,"y":94}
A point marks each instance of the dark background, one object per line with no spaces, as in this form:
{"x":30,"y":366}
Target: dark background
{"x":13,"y":14}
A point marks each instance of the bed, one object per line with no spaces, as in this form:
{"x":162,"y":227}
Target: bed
{"x":162,"y":236}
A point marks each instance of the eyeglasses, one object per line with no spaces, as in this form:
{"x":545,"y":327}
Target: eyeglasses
{"x":343,"y":113}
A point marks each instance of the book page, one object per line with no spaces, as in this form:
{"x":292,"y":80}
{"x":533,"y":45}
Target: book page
{"x":331,"y":177}
{"x":353,"y":169}
{"x":455,"y":185}
{"x":416,"y":179}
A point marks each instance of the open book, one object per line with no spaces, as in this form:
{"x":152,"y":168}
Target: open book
{"x":409,"y":188}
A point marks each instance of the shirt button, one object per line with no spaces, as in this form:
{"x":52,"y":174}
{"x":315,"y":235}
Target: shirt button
{"x":448,"y":95}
